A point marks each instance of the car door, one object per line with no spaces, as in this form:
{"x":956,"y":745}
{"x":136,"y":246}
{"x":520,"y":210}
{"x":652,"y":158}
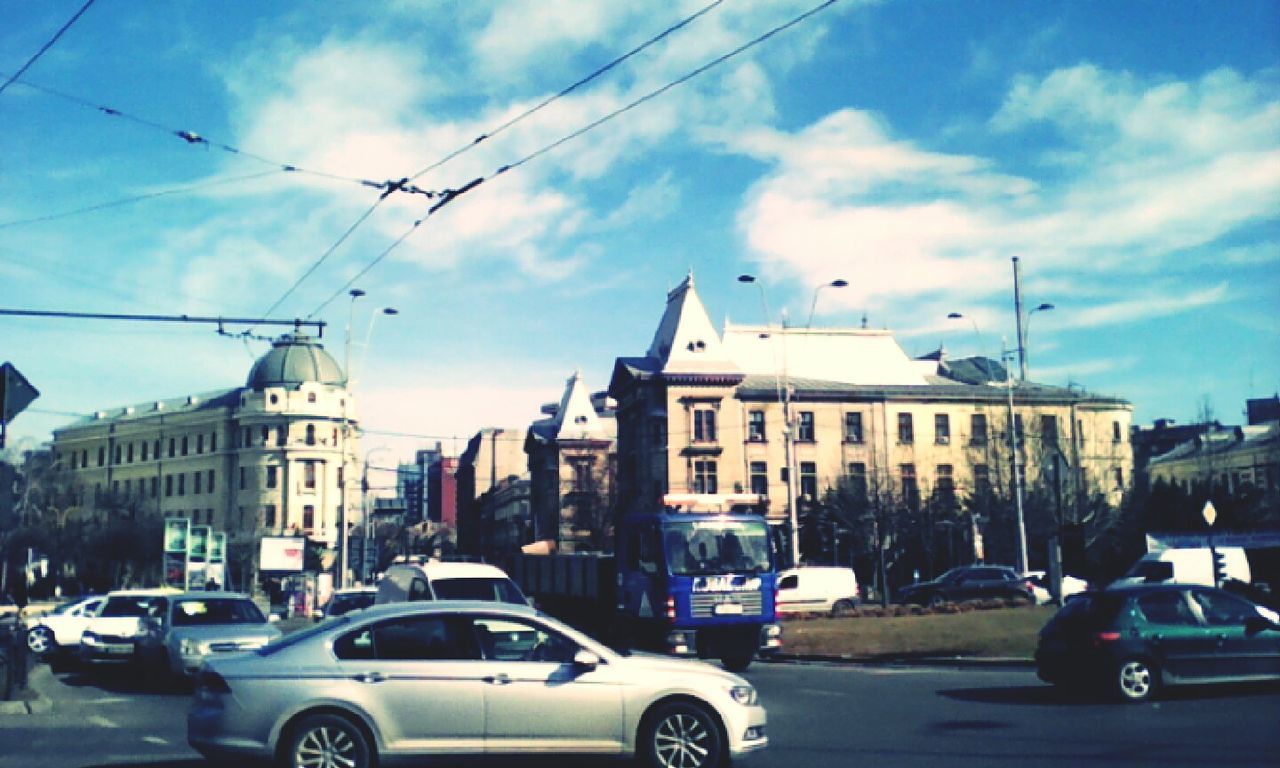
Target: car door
{"x":420,"y":678}
{"x":70,"y":626}
{"x":1244,"y":648}
{"x":536,"y":698}
{"x":1181,"y":644}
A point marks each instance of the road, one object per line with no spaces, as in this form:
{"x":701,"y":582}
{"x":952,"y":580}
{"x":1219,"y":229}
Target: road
{"x":819,"y":715}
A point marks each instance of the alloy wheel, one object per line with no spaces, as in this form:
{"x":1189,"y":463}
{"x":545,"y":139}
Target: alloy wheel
{"x":39,"y":640}
{"x":1135,"y":680}
{"x":328,"y":742}
{"x":683,"y":738}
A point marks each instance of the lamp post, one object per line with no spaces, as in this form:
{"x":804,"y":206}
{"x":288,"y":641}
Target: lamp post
{"x":982,"y":346}
{"x":787,"y":436}
{"x":837,"y":283}
{"x":368,"y":511}
{"x":341,"y":577}
{"x":1026,"y":355}
{"x":1021,"y":528}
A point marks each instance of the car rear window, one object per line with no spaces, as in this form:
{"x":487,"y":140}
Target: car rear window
{"x":494,"y":589}
{"x":196,"y":613}
{"x":127,"y":606}
{"x":1086,"y":611}
{"x":293,"y":638}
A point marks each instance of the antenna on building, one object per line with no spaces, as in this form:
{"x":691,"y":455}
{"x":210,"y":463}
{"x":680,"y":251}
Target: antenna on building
{"x":864,"y":319}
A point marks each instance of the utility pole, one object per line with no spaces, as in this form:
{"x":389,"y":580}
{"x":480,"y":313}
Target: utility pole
{"x":1020,"y":535}
{"x":1017,"y":313}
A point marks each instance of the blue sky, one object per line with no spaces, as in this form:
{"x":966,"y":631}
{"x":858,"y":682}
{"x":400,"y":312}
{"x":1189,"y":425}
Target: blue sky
{"x":1127,"y":152}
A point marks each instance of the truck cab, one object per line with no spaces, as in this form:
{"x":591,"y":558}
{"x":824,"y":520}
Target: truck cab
{"x":698,"y":577}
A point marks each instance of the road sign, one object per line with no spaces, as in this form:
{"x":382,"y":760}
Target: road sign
{"x":16,"y":393}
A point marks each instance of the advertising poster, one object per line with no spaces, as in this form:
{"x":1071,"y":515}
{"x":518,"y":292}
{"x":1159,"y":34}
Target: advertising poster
{"x":175,"y":569}
{"x":198,"y":544}
{"x":282,"y":554}
{"x":218,"y":548}
{"x":175,"y":535}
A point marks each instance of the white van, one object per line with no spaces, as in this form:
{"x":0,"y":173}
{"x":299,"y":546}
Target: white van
{"x":1188,"y":566}
{"x":436,"y":580}
{"x":817,"y":589}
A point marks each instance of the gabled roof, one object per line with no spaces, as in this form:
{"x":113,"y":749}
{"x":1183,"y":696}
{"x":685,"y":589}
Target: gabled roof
{"x":576,"y":418}
{"x":686,"y":341}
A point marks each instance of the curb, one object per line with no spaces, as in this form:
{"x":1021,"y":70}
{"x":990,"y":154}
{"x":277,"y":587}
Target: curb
{"x":905,"y":661}
{"x":36,"y":702}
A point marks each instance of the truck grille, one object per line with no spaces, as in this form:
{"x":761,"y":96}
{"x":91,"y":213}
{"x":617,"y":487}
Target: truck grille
{"x":703,"y":604}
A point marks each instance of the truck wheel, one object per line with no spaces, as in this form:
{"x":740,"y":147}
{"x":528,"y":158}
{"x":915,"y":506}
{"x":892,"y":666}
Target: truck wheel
{"x":681,"y":735}
{"x":737,"y":662}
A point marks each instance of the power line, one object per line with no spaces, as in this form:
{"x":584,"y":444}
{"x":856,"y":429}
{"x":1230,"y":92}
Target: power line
{"x":449,"y":195}
{"x":60,"y":314}
{"x":46,"y":46}
{"x":135,"y":199}
{"x":193,"y":138}
{"x":566,"y":91}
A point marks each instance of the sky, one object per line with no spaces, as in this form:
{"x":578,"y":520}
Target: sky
{"x":1126,"y":152}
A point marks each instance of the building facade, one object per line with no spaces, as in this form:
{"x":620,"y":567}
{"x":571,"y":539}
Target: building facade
{"x":788,"y":413}
{"x":263,"y":459}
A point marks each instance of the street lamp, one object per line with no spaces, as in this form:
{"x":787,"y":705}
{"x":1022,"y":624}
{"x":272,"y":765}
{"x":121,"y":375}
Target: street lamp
{"x":341,"y":578}
{"x":837,"y":283}
{"x":982,"y":346}
{"x":1021,"y":532}
{"x":1027,"y":332}
{"x":787,"y":435}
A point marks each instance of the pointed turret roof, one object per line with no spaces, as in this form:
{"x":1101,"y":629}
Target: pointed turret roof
{"x":576,"y":419}
{"x":686,"y":341}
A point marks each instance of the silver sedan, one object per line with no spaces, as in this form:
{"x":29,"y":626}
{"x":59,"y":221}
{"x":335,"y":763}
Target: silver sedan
{"x":417,"y":679}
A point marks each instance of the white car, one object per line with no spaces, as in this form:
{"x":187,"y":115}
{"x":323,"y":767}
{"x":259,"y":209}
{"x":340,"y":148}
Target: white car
{"x":61,"y":629}
{"x":112,"y":636}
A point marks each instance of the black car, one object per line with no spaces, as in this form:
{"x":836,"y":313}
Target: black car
{"x":1132,"y":640}
{"x":968,"y":582}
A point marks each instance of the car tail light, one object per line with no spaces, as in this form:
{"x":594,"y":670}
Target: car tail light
{"x":1100,"y":638}
{"x":671,"y":609}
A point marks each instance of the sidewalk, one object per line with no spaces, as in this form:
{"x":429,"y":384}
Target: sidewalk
{"x":33,"y":700}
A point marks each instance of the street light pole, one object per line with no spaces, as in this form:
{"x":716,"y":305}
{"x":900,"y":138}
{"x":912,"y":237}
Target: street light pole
{"x":341,"y":577}
{"x":837,"y":283}
{"x":1021,"y":529}
{"x":364,"y":496}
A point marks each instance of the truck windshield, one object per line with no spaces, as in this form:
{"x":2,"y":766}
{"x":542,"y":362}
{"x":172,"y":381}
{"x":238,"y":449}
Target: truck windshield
{"x":716,"y":546}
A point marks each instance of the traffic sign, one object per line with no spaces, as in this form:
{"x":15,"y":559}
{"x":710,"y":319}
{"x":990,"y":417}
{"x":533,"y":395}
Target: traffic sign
{"x":15,"y":392}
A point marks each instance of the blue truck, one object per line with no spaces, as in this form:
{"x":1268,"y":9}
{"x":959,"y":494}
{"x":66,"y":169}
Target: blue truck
{"x":695,"y":577}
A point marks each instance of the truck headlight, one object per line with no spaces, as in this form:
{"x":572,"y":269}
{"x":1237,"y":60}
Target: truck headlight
{"x":743,"y":694}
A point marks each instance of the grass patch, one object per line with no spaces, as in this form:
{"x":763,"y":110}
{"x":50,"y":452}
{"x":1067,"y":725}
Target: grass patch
{"x":1009,"y":632}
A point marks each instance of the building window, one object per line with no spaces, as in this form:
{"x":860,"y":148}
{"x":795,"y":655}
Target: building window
{"x":1115,"y":432}
{"x":311,"y":434}
{"x":242,"y":478}
{"x":115,"y":487}
{"x":84,"y":459}
{"x":199,"y":444}
{"x":117,"y":454}
{"x":805,"y":431}
{"x":910,"y":488}
{"x":155,"y":449}
{"x":213,"y":442}
{"x":853,"y":427}
{"x":755,"y":426}
{"x":906,"y":432}
{"x":1119,"y":476}
{"x":269,"y":515}
{"x":182,"y":484}
{"x":704,"y":477}
{"x":1018,"y":431}
{"x":1049,"y":429}
{"x":266,"y":434}
{"x":272,"y":472}
{"x":168,"y":485}
{"x":145,"y":445}
{"x":209,"y":485}
{"x":945,"y":482}
{"x":173,"y":447}
{"x":941,"y":428}
{"x":581,"y":475}
{"x":308,"y":517}
{"x":978,"y":429}
{"x":155,"y":486}
{"x":128,"y":456}
{"x":981,"y":479}
{"x":195,"y":483}
{"x":282,"y":435}
{"x":311,"y":397}
{"x":858,"y":477}
{"x":760,"y":478}
{"x":809,"y":480}
{"x":309,"y":475}
{"x":184,"y":445}
{"x":704,"y":425}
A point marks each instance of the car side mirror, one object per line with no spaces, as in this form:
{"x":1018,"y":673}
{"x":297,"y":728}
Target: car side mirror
{"x":585,"y":660}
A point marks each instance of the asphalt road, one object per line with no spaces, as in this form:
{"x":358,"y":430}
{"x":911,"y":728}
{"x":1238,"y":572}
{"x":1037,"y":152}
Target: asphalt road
{"x":819,"y":715}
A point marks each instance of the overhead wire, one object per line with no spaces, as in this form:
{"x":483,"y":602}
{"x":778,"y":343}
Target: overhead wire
{"x":449,"y":195}
{"x":196,"y":139}
{"x":137,"y":198}
{"x":46,"y":46}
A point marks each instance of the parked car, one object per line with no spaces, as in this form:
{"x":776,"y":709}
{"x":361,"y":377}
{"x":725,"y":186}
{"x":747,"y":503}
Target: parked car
{"x":60,"y":630}
{"x":968,"y":582}
{"x":820,"y":589}
{"x":345,"y":601}
{"x":111,"y":636}
{"x":1134,"y":639}
{"x":465,"y":677}
{"x":183,"y":631}
{"x":437,"y":580}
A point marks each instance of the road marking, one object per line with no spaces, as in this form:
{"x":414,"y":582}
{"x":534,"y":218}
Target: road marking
{"x":154,"y":740}
{"x":102,"y":721}
{"x":109,"y":700}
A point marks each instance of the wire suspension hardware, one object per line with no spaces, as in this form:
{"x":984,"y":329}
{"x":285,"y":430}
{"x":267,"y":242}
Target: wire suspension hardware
{"x":297,"y":323}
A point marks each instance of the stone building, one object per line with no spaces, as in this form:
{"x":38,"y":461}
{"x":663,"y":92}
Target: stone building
{"x":706,"y":412}
{"x":265,"y":458}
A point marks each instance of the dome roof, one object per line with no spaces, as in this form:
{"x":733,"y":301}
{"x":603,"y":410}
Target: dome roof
{"x":294,"y":358}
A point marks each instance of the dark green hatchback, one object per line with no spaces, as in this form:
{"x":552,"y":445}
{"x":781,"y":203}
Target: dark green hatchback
{"x":1133,"y":640}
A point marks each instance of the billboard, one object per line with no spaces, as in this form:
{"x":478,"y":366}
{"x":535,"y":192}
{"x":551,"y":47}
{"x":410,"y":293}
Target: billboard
{"x":198,"y":544}
{"x":282,"y":553}
{"x":175,"y":535}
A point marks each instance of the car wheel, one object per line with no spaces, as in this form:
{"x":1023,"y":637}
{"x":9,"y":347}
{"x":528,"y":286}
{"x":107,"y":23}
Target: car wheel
{"x":328,"y":741}
{"x":681,"y":735}
{"x":40,"y":640}
{"x":1135,"y":680}
{"x":842,"y":608}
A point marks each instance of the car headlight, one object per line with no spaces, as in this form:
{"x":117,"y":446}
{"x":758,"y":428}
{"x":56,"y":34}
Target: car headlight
{"x":743,"y":694}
